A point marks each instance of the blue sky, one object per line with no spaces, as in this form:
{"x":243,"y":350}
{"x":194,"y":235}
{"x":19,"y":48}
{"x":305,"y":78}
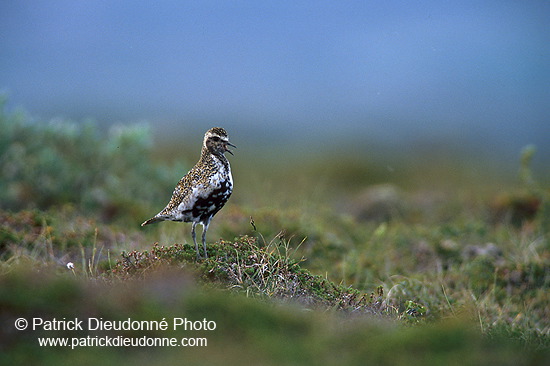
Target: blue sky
{"x":388,"y":71}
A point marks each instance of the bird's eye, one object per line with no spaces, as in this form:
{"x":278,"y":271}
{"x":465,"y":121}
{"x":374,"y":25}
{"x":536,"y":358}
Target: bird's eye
{"x":215,"y":138}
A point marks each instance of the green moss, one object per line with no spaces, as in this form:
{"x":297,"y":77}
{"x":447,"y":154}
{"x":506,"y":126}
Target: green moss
{"x":247,"y":330}
{"x":246,"y":268}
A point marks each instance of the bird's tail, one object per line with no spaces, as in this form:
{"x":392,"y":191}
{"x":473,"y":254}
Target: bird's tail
{"x":152,"y":221}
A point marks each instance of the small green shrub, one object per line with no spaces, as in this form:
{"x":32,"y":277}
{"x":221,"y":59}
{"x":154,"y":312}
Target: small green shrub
{"x":50,"y":164}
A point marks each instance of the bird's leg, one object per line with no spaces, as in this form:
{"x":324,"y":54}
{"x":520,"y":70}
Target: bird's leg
{"x":204,"y":230}
{"x":194,"y":235}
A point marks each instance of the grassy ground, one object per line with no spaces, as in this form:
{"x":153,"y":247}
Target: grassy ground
{"x":318,"y":258}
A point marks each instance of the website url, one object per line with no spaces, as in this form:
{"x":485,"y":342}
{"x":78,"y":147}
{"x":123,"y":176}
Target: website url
{"x":121,"y":341}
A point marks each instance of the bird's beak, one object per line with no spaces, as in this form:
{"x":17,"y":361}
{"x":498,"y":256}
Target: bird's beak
{"x":230,"y":144}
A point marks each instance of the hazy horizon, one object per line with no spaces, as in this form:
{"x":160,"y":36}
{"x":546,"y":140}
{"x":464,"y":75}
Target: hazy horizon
{"x":471,"y":74}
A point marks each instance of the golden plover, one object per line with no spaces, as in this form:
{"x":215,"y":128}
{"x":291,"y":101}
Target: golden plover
{"x":202,"y":192}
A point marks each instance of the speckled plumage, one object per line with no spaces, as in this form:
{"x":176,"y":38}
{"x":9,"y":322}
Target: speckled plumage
{"x":202,"y":192}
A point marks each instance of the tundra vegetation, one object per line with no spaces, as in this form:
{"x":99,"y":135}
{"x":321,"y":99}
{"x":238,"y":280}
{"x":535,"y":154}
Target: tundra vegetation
{"x":322,"y":256}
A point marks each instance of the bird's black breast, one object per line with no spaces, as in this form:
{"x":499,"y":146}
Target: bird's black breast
{"x":207,"y":206}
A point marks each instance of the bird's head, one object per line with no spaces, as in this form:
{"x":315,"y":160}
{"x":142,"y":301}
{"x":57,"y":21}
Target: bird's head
{"x":216,"y":141}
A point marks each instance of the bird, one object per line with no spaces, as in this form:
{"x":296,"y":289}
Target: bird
{"x":204,"y":190}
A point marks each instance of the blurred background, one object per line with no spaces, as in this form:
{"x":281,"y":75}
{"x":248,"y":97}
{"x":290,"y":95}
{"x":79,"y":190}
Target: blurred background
{"x":381,"y":77}
{"x":401,"y":148}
